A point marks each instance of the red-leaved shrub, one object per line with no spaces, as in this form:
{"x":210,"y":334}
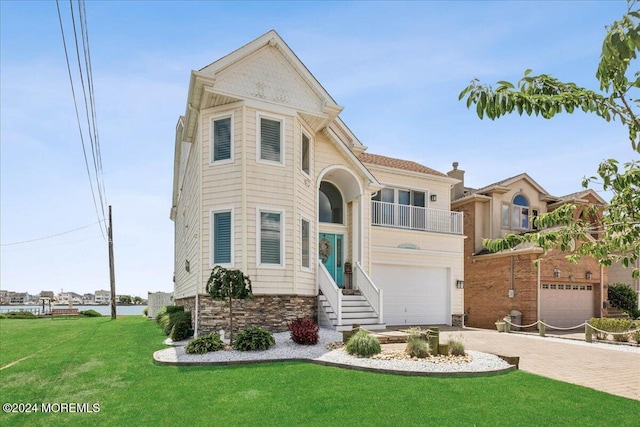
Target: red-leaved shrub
{"x":304,"y":331}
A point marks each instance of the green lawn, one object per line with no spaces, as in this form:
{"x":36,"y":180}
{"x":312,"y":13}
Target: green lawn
{"x":96,"y":360}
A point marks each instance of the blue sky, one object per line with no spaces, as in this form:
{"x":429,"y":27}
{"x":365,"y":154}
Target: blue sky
{"x":396,"y":67}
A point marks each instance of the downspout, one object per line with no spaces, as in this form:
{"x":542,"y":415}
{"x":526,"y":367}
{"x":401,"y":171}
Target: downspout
{"x":243,"y":186}
{"x":511,"y":288}
{"x":602,"y":291}
{"x":200,"y":213}
{"x":296,"y":217}
{"x":538,"y":288}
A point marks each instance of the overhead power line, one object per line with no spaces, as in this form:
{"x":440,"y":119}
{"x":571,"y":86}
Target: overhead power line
{"x":49,"y":237}
{"x":96,"y":179}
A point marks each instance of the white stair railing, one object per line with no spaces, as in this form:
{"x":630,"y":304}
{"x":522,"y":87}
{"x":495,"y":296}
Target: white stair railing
{"x":330,"y":290}
{"x":369,"y":290}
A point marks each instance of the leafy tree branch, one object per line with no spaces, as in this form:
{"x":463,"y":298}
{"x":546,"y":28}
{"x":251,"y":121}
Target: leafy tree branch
{"x":618,"y":223}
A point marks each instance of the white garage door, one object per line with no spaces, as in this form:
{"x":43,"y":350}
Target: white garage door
{"x":413,"y":295}
{"x":566,"y":305}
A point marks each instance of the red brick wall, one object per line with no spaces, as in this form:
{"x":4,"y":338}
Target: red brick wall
{"x":487,"y":285}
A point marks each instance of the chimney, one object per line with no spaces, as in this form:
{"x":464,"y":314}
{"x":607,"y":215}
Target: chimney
{"x":458,"y":189}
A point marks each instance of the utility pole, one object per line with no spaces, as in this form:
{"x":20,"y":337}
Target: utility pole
{"x":112,"y":273}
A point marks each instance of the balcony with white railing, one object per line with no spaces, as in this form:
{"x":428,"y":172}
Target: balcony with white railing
{"x":386,"y":214}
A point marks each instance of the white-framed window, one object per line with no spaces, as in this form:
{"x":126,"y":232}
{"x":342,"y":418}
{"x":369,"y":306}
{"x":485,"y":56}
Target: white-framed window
{"x":305,"y":243}
{"x":221,"y":226}
{"x":520,"y":213}
{"x":270,"y":238}
{"x":270,"y":131}
{"x":400,"y":207}
{"x":305,"y":158}
{"x":516,"y":215}
{"x":221,"y":139}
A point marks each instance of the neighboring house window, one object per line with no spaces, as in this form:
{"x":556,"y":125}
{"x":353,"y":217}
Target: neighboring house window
{"x":271,"y":238}
{"x":306,"y":246}
{"x":222,"y":237}
{"x":305,"y":161}
{"x":221,"y":139}
{"x":505,"y":215}
{"x":271,"y":140}
{"x":329,"y":203}
{"x":520,"y":212}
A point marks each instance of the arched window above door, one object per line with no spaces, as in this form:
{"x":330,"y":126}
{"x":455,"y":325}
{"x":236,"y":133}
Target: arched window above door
{"x":329,"y":203}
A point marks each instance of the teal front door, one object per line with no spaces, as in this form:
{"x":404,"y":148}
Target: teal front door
{"x":330,"y":253}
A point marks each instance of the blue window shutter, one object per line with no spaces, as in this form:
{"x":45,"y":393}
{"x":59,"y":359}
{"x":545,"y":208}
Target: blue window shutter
{"x":222,"y":139}
{"x":270,"y":140}
{"x":270,"y":238}
{"x":222,"y":238}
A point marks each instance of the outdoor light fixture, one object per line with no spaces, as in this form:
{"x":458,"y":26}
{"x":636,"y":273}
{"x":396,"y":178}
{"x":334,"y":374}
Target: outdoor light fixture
{"x":588,"y":275}
{"x":556,"y":272}
{"x":433,"y":197}
{"x":187,"y":265}
{"x":460,"y":284}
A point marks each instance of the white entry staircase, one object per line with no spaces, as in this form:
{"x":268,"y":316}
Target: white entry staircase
{"x":340,"y":312}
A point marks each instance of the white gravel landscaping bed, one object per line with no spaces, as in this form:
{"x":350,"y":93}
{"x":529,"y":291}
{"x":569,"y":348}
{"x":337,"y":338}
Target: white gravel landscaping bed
{"x":480,"y":362}
{"x":285,"y":349}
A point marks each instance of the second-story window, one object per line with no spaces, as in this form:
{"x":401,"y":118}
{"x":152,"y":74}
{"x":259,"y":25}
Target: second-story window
{"x":520,"y":212}
{"x":221,"y":139}
{"x":516,"y":215}
{"x":305,"y":160}
{"x":270,"y":140}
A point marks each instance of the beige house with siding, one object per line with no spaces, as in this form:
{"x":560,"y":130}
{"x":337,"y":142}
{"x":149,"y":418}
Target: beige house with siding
{"x":269,"y":180}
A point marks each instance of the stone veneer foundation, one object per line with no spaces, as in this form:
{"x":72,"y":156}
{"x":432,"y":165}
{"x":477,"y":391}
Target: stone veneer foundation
{"x":271,"y":312}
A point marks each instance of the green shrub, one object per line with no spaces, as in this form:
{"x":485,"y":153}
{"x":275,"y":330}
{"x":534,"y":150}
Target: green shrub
{"x":174,"y":309}
{"x":205,"y":344}
{"x":177,"y":316}
{"x":456,"y":348}
{"x":363,"y":344}
{"x":636,"y":335}
{"x":20,"y":315}
{"x":146,"y":312}
{"x":163,"y":321}
{"x":167,"y":309}
{"x":2,"y":316}
{"x":621,"y":325}
{"x":161,"y":313}
{"x":90,"y":313}
{"x":612,"y":325}
{"x":417,"y":347}
{"x":253,"y":338}
{"x":623,"y":296}
{"x":181,"y":329}
{"x":602,"y":324}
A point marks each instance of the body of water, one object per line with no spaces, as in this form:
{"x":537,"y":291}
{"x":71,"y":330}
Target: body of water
{"x":105,"y":310}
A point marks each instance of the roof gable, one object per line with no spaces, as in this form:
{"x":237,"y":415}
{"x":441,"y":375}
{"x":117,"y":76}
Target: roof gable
{"x":266,"y":69}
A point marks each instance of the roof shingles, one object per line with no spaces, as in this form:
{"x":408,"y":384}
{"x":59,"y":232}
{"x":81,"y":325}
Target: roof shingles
{"x":375,"y":159}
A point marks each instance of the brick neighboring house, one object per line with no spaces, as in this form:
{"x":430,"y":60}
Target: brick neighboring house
{"x":561,"y":293}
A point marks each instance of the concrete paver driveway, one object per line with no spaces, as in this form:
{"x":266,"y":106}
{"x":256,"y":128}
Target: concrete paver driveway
{"x":606,"y":367}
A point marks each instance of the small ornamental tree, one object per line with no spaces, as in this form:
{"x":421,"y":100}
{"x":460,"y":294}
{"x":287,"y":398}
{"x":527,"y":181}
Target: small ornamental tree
{"x":226,"y":284}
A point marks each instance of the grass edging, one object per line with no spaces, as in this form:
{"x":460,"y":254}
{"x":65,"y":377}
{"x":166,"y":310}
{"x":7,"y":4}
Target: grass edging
{"x":510,"y":368}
